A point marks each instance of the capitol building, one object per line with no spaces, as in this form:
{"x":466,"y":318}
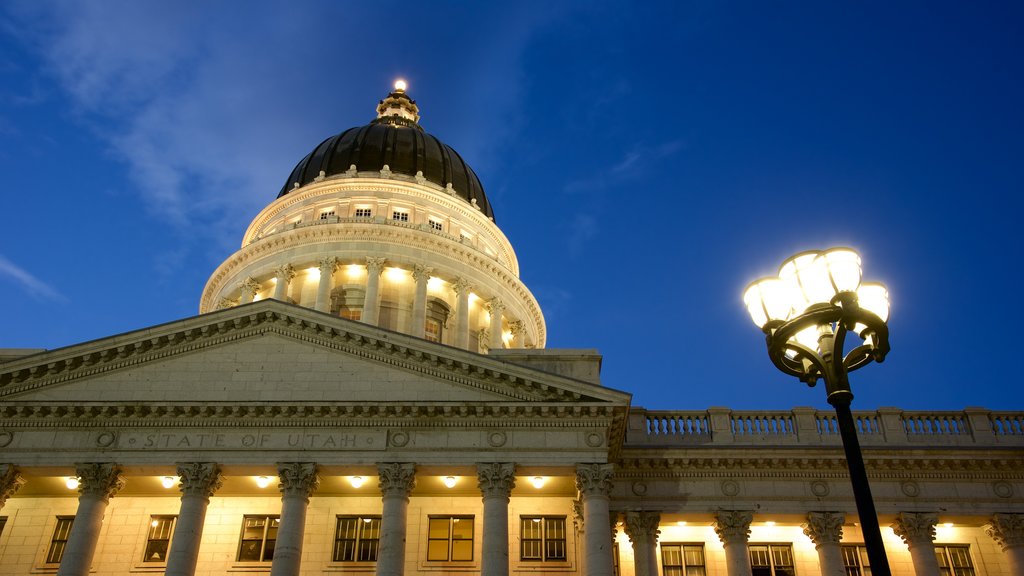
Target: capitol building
{"x":366,"y":390}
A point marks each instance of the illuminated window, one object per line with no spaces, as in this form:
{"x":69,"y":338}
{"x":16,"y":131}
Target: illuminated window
{"x":542,"y":538}
{"x":432,"y":330}
{"x":683,"y":559}
{"x":954,"y":560}
{"x":326,"y":214}
{"x":363,"y":213}
{"x":450,"y":538}
{"x":259,"y":534}
{"x":435,"y":224}
{"x":400,"y":216}
{"x":771,"y":560}
{"x":356,"y":539}
{"x":59,"y":541}
{"x":351,"y":314}
{"x":855,"y":559}
{"x":158,"y":542}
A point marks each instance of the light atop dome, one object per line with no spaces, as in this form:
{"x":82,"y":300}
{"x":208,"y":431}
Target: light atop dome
{"x":400,"y":85}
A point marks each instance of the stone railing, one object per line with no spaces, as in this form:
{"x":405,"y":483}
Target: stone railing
{"x":809,"y":426}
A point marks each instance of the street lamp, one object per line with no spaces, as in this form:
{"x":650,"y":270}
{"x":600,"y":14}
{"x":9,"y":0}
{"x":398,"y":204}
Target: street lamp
{"x":806,"y":313}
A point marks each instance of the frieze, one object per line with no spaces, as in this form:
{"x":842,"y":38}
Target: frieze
{"x":252,"y":440}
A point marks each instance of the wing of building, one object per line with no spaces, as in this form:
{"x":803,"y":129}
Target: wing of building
{"x":366,"y":390}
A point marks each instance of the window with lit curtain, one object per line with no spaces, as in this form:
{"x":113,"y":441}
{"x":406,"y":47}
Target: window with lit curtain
{"x":683,"y":560}
{"x":771,"y":560}
{"x":158,"y":540}
{"x":954,"y":560}
{"x":450,"y":538}
{"x":259,"y":535}
{"x":855,"y":560}
{"x":59,"y":541}
{"x":542,"y":538}
{"x":356,"y":539}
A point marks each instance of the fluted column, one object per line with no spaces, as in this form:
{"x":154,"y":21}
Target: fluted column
{"x":97,"y":484}
{"x":371,"y":303}
{"x":396,"y":482}
{"x":495,"y":307}
{"x":917,"y":529}
{"x":10,"y":482}
{"x":825,"y":529}
{"x":733,"y":529}
{"x":248,"y":290}
{"x":594,"y":481}
{"x":199,"y":481}
{"x":284,"y":275}
{"x":323,"y":289}
{"x":298,"y":482}
{"x":462,"y":289}
{"x":1008,"y":531}
{"x":421,"y":274}
{"x":642,"y":529}
{"x":496,"y":481}
{"x":518,"y":330}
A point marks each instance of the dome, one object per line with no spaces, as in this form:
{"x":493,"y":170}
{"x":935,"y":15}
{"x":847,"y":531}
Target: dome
{"x":396,"y":140}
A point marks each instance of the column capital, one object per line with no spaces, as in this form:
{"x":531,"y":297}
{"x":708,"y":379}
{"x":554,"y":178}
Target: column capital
{"x":396,"y":479}
{"x":496,"y":479}
{"x":594,"y":479}
{"x":516,"y":327}
{"x":10,"y":482}
{"x":733,"y":526}
{"x":284,"y":273}
{"x":916,"y":528}
{"x":642,"y":526}
{"x":199,"y":478}
{"x":249,"y":286}
{"x":328,"y":265}
{"x":99,"y":480}
{"x":375,"y":265}
{"x":298,"y":479}
{"x":226,"y":303}
{"x":824,"y":527}
{"x":1007,"y":530}
{"x":495,"y":306}
{"x":421,"y":272}
{"x":462,"y":286}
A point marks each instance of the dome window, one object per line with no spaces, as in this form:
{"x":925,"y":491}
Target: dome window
{"x":436,"y":225}
{"x":326,"y":214}
{"x":400,"y":215}
{"x":364,"y":212}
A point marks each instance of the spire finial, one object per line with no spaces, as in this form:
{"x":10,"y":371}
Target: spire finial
{"x":398,"y":108}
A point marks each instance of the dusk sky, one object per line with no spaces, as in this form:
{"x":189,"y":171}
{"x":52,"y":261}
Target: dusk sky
{"x":646,"y":160}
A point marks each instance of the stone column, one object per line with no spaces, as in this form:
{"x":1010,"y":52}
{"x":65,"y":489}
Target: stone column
{"x":421,"y":274}
{"x":298,"y":482}
{"x":495,"y":307}
{"x":1008,"y":531}
{"x":97,"y":484}
{"x":577,"y":521}
{"x":10,"y":482}
{"x":199,"y":481}
{"x":371,"y":303}
{"x":248,"y":290}
{"x":825,"y":529}
{"x":642,"y":529}
{"x":323,"y":289}
{"x":594,"y":481}
{"x":917,"y":529}
{"x":496,"y":482}
{"x":284,"y":275}
{"x":462,"y":289}
{"x":518,"y":330}
{"x":733,"y":529}
{"x":396,"y":482}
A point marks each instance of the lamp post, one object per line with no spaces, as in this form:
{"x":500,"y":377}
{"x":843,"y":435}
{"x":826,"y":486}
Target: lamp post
{"x":806,"y":313}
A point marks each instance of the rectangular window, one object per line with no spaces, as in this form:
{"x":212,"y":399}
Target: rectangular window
{"x":436,"y":225}
{"x":363,"y":213}
{"x":683,"y":559}
{"x":158,"y":542}
{"x":450,"y":538}
{"x":400,"y":216}
{"x":326,"y":214}
{"x":542,"y":538}
{"x":855,"y":559}
{"x":259,"y":534}
{"x":356,"y":539}
{"x":771,"y":560}
{"x":432,"y":330}
{"x":954,"y":560}
{"x":350,"y":314}
{"x":60,"y":539}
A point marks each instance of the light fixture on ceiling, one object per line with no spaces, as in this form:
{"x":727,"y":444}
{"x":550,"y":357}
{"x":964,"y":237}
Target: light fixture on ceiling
{"x":263,"y":481}
{"x":71,"y":482}
{"x":357,"y":481}
{"x":168,"y":481}
{"x":450,"y":481}
{"x":538,"y":481}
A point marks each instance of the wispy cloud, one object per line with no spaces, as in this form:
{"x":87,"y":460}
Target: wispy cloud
{"x":29,"y":283}
{"x":636,"y":159}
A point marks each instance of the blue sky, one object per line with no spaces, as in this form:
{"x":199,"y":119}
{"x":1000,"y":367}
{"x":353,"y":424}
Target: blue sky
{"x":647,"y":160}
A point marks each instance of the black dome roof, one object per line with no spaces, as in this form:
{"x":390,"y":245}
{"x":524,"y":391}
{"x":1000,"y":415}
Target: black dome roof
{"x":396,"y":140}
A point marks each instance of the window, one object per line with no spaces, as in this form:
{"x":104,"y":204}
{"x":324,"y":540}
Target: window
{"x":855,"y":560}
{"x":351,"y":314}
{"x":954,"y":560}
{"x":259,"y":534}
{"x":400,"y":216}
{"x":771,"y":560}
{"x":326,"y":214}
{"x":432,"y":330}
{"x":356,"y":539}
{"x":60,"y":539}
{"x":3,"y":522}
{"x":435,"y":224}
{"x":450,"y":538}
{"x":683,"y":559}
{"x":363,"y":213}
{"x":158,"y":542}
{"x":542,"y":539}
